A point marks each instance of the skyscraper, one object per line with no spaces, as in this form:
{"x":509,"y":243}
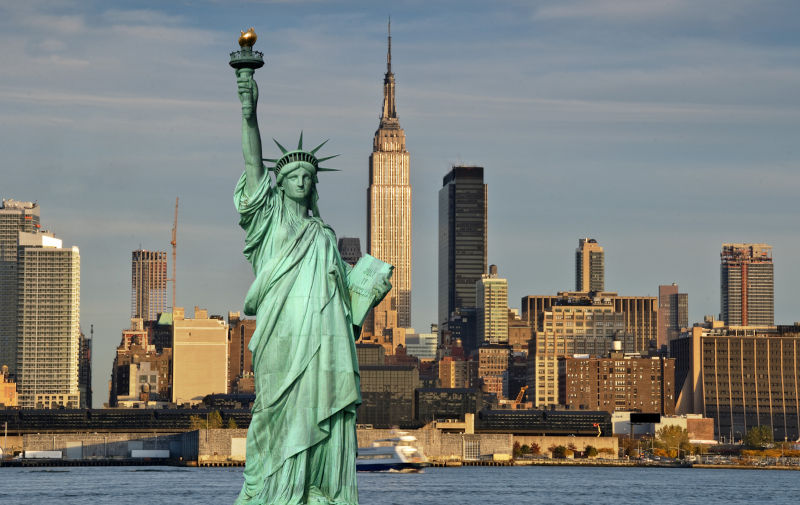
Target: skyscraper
{"x":48,"y":322}
{"x":747,"y":296}
{"x":491,"y":302}
{"x":673,"y":312}
{"x":148,"y":284}
{"x":15,"y":217}
{"x":462,"y":228}
{"x":589,"y":266}
{"x":389,"y":209}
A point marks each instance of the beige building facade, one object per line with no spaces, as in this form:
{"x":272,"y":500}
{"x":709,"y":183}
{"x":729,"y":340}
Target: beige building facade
{"x":741,"y":376}
{"x":640,"y":313}
{"x":456,"y":373}
{"x":568,"y":330}
{"x":199,"y":356}
{"x":589,"y":266}
{"x":389,"y":211}
{"x":491,"y":303}
{"x":48,"y":322}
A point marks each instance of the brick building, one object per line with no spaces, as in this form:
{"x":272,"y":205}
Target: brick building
{"x":618,"y":382}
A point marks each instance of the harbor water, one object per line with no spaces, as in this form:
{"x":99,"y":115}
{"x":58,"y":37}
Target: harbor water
{"x":462,"y":486}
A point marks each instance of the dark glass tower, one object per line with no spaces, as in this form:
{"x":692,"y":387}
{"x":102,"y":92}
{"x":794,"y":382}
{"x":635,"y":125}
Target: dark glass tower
{"x":462,"y":239}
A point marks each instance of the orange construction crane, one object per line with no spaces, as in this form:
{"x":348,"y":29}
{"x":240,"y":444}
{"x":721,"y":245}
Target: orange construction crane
{"x":521,"y":395}
{"x":174,"y":243}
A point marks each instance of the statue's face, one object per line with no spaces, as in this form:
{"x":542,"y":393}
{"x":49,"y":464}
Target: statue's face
{"x":297,"y":184}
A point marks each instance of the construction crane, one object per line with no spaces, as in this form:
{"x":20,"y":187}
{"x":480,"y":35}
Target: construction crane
{"x":174,"y":243}
{"x":520,"y":396}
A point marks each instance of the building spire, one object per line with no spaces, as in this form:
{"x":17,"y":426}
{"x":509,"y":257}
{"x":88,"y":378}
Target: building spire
{"x":389,"y":52}
{"x":389,"y":113}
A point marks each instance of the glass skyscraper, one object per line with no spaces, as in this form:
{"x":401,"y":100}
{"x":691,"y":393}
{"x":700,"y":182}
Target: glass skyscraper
{"x":462,"y":239}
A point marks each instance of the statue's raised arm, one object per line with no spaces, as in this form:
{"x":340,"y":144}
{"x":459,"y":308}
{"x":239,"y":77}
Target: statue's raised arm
{"x":251,"y":137}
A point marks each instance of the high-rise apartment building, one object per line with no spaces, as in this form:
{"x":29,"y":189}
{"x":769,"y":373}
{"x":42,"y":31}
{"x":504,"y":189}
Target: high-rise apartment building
{"x":48,"y":322}
{"x":747,"y":285}
{"x":462,"y":238}
{"x":589,"y":266}
{"x":15,"y":217}
{"x":673,"y":312}
{"x":148,"y":284}
{"x":389,"y":210}
{"x":491,"y":303}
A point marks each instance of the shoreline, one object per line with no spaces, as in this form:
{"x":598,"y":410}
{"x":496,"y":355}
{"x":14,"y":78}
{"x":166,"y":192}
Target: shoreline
{"x":44,"y":463}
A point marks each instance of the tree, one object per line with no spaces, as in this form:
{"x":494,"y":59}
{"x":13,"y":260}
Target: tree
{"x":535,"y":449}
{"x":559,"y":452}
{"x":231,"y":425}
{"x":213,"y":420}
{"x":759,"y":437}
{"x":674,"y":438}
{"x":589,"y":451}
{"x":517,"y":450}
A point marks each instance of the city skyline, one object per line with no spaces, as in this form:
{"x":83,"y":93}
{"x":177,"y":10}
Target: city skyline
{"x":667,"y":122}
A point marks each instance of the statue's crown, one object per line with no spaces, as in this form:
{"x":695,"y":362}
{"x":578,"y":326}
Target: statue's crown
{"x":299,"y":154}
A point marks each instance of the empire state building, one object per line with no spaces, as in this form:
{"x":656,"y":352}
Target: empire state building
{"x":389,"y":210}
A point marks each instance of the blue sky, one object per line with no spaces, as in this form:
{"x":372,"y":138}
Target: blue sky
{"x":660,"y":128}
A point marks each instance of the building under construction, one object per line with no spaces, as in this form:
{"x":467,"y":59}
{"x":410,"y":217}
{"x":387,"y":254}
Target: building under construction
{"x":747,"y":285}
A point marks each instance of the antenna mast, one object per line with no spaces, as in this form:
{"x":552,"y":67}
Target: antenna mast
{"x":174,"y":243}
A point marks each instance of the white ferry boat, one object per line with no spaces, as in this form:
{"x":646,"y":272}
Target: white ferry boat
{"x":391,"y":454}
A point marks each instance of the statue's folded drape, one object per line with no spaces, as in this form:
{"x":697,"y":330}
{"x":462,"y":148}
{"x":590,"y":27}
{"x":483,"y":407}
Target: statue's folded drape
{"x":301,"y":443}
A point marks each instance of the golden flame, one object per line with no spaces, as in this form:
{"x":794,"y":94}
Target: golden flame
{"x":248,"y":38}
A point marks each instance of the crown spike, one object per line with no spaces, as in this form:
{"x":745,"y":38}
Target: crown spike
{"x":323,"y":169}
{"x":314,"y":151}
{"x":283,"y":149}
{"x":320,"y":160}
{"x":300,"y":142}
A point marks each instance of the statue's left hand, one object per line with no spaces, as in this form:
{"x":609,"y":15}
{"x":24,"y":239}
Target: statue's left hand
{"x":382,"y":288}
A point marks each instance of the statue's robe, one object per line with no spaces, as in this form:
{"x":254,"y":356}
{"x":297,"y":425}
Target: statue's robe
{"x":301,"y":444}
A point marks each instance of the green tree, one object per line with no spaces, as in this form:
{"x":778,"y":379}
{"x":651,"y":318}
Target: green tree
{"x":231,"y":425}
{"x":674,"y":439}
{"x":214,"y":420}
{"x":589,"y":451}
{"x":559,"y":452}
{"x":197,"y":423}
{"x":759,"y":437}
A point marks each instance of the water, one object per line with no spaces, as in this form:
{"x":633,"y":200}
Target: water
{"x":458,"y":486}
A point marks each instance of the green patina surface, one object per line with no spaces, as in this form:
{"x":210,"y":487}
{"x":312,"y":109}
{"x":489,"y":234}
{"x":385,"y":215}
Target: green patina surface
{"x":301,"y":443}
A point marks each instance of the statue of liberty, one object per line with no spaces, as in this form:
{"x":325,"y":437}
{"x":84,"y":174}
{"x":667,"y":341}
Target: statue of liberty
{"x":301,"y":443}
